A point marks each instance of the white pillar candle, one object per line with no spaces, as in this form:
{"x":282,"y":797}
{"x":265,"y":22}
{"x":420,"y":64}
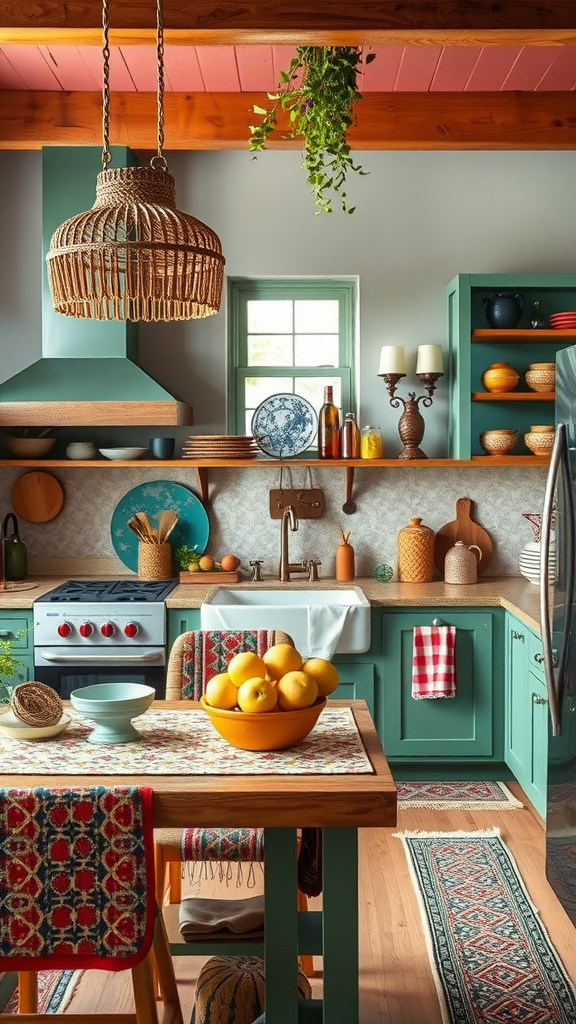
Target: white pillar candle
{"x":392,"y":359}
{"x":429,"y":359}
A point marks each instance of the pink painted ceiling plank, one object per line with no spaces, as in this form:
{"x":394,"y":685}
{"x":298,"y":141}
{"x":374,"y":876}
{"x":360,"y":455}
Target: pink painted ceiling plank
{"x":30,"y":64}
{"x":454,"y":68}
{"x":181,"y":69}
{"x":492,"y":68}
{"x":120,"y":79}
{"x":141,"y":64}
{"x":70,"y":68}
{"x":281,"y":60}
{"x":380,"y":74}
{"x":256,"y":68}
{"x":562,"y":73}
{"x":9,"y":77}
{"x":417,"y":68}
{"x":531,"y":66}
{"x":218,"y":68}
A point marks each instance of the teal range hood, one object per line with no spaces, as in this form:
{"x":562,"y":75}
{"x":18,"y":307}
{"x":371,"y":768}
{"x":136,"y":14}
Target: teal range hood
{"x":88,"y":374}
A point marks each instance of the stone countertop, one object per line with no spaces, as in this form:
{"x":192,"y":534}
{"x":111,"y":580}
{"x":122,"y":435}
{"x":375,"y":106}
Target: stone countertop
{"x":514,"y":593}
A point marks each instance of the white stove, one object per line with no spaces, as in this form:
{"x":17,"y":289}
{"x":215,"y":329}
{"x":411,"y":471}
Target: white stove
{"x":101,"y":631}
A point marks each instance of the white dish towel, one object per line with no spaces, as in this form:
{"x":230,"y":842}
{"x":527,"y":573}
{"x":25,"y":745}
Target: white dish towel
{"x":325,"y":625}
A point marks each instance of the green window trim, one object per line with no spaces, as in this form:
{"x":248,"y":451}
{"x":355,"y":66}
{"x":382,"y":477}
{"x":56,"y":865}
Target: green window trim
{"x":243,"y":290}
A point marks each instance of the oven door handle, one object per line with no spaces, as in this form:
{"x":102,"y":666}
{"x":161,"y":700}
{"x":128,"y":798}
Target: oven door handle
{"x":108,"y":659}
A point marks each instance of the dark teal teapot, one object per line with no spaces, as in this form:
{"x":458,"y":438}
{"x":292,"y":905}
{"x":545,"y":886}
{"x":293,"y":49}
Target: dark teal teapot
{"x":503,"y":312}
{"x":15,"y":555}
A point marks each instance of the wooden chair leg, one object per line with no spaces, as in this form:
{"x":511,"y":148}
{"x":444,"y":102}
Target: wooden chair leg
{"x":174,"y":891}
{"x":164,"y":966}
{"x":27,"y":992}
{"x":307,"y":962}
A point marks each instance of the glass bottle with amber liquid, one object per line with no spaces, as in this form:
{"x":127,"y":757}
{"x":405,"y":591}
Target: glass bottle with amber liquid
{"x":328,"y":427}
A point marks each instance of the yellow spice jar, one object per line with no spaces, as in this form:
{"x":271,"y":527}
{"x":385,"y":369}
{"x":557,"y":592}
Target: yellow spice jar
{"x":371,"y":443}
{"x":415,"y":553}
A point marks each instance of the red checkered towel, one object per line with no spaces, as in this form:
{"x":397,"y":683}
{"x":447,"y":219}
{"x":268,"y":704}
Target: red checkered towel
{"x":433,"y":662}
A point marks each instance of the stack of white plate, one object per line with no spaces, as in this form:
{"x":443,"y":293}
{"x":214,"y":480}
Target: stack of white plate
{"x":529,"y":562}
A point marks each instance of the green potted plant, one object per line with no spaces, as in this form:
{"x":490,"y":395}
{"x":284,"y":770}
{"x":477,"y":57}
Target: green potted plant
{"x":10,"y":676}
{"x":318,"y":93}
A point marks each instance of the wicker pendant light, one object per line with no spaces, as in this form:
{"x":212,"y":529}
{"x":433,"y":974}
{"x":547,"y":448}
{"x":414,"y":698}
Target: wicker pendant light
{"x":134,"y":255}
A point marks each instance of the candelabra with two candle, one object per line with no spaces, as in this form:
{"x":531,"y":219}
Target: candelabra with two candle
{"x":429,"y":368}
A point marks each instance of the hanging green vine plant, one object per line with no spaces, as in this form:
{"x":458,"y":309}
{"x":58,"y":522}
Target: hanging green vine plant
{"x":318,"y":93}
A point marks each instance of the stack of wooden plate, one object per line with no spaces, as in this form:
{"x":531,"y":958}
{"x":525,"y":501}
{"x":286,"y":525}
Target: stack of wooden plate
{"x":219,"y":446}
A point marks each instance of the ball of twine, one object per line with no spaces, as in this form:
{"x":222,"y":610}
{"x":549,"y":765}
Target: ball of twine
{"x":36,"y":704}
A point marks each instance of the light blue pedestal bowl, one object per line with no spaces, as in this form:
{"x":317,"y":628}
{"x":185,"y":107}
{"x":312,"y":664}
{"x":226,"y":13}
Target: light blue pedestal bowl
{"x":111,"y":706}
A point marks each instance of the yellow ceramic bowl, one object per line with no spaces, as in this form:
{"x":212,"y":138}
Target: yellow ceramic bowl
{"x":265,"y":730}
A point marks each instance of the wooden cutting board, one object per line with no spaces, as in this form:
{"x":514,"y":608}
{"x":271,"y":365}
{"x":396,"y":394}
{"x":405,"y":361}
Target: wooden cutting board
{"x":209,"y":577}
{"x":37,"y":497}
{"x":465,"y":529}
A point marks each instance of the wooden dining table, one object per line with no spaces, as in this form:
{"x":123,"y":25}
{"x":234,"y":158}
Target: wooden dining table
{"x":338,"y":803}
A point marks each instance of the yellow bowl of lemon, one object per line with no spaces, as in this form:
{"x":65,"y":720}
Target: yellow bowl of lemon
{"x":270,"y":702}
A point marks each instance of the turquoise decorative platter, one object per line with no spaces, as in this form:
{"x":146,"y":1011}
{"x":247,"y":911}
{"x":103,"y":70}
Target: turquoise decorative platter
{"x":153,"y":498}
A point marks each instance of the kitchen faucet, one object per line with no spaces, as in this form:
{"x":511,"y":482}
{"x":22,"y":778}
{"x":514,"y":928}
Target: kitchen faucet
{"x":289,"y":519}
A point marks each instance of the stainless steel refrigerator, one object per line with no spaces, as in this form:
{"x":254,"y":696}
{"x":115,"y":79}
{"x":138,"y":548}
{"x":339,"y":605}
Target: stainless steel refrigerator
{"x":558,"y":626}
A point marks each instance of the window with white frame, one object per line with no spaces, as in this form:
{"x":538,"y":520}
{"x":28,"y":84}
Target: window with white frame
{"x":292,"y":336}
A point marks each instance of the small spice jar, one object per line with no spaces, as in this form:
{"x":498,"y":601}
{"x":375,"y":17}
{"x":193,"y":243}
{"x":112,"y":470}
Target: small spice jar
{"x":415,"y":553}
{"x":371,"y":443}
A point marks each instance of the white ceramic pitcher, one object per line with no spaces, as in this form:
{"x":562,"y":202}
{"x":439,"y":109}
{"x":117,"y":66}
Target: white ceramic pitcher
{"x":461,"y":564}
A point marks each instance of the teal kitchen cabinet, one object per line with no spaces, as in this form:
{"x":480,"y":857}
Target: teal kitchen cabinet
{"x":466,"y":728}
{"x":473,"y":346}
{"x":180,"y":620}
{"x":17,"y":627}
{"x":526,"y":716}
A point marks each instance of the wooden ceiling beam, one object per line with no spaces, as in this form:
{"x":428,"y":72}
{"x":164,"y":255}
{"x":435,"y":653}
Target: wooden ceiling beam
{"x":218,"y":121}
{"x":325,"y":22}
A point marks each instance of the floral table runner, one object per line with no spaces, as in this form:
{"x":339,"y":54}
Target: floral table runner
{"x":185,"y":743}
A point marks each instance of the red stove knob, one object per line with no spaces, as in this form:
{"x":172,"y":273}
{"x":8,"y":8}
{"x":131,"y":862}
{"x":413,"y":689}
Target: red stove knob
{"x":107,"y":629}
{"x":86,"y":629}
{"x":64,"y":629}
{"x":131,"y":629}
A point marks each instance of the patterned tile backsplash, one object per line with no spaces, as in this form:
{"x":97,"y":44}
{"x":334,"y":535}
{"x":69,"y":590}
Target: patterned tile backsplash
{"x":240,"y":524}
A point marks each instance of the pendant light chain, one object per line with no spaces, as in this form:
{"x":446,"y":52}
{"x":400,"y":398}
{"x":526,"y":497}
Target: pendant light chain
{"x":159,"y":160}
{"x":106,"y":156}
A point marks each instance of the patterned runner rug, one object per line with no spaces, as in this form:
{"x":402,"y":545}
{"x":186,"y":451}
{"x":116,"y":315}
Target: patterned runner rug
{"x":490,"y":796}
{"x":55,"y":990}
{"x":491,"y":957}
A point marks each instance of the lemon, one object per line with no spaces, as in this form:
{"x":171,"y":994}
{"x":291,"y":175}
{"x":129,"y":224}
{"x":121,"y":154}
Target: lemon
{"x":324,"y":673}
{"x":206,"y":563}
{"x":280,"y":659}
{"x":221,"y":692}
{"x":245,"y":666}
{"x":257,"y":694}
{"x":296,"y":690}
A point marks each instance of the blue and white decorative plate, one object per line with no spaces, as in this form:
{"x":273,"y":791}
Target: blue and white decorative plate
{"x":284,"y":425}
{"x":153,"y":498}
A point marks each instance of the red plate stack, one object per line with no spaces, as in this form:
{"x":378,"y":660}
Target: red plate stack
{"x":563,"y":321}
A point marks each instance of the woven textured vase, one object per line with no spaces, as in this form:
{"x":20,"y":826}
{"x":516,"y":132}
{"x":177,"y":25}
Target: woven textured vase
{"x":415,"y":553}
{"x":134,"y":255}
{"x":154,"y":561}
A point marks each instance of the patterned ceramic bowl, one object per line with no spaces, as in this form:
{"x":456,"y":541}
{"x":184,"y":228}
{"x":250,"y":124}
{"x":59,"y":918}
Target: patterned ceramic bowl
{"x":498,"y":442}
{"x":541,"y":377}
{"x":266,"y":730}
{"x":540,"y":441}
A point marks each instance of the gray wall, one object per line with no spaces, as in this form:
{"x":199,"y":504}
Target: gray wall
{"x":420,"y":219}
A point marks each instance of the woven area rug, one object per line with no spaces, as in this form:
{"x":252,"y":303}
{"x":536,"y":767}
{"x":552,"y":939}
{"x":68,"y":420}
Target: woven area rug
{"x":489,"y":796}
{"x":492,"y":960}
{"x":55,"y":990}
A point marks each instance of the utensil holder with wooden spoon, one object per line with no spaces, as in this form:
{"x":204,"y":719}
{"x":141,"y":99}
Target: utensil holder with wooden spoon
{"x":154,"y":561}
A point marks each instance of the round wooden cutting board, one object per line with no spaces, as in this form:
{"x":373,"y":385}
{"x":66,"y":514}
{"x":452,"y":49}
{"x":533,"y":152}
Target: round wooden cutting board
{"x":37,"y":497}
{"x":465,"y":529}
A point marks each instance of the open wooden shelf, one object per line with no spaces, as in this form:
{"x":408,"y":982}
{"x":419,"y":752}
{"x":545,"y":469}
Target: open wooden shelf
{"x":530,"y":335}
{"x":513,"y":396}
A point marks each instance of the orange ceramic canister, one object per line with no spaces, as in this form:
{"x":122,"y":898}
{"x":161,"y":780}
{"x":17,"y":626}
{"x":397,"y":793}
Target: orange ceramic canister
{"x":415,"y":553}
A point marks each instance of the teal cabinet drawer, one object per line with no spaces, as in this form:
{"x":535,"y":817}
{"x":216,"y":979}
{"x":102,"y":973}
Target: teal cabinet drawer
{"x":11,"y":625}
{"x":181,"y":620}
{"x":446,"y":728}
{"x":356,"y":683}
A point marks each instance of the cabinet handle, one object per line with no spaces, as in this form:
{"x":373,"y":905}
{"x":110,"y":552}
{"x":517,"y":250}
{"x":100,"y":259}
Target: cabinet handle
{"x":517,"y":636}
{"x":7,"y":634}
{"x":539,"y":658}
{"x":536,"y":699}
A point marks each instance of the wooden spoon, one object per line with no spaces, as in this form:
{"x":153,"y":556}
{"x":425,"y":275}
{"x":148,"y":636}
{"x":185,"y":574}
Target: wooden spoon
{"x":137,"y":528}
{"x":150,"y":534}
{"x":166,"y":524}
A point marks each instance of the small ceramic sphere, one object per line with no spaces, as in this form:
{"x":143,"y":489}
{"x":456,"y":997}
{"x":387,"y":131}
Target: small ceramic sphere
{"x":499,"y":377}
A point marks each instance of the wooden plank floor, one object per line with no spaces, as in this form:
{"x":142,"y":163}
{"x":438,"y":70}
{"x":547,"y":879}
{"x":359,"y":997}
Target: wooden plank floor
{"x":396,"y":985}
